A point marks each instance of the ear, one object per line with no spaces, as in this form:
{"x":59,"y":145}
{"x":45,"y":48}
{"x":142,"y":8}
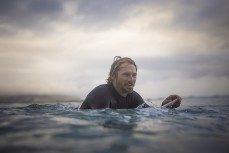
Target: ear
{"x":113,"y":77}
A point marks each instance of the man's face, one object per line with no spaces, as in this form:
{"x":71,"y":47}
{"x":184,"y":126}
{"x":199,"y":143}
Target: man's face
{"x":125,"y":78}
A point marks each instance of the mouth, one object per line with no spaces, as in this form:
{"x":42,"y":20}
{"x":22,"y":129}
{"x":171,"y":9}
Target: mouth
{"x":130,"y":85}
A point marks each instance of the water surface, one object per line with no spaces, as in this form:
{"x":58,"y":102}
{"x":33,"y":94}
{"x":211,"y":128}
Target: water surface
{"x":199,"y":125}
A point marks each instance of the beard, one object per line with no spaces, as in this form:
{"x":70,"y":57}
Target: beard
{"x":128,"y":88}
{"x":124,"y":87}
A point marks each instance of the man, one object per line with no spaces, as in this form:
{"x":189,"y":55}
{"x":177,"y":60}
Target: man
{"x":119,"y":92}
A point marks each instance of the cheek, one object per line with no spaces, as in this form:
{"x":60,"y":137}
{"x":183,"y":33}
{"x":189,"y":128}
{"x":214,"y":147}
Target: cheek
{"x":122,"y":80}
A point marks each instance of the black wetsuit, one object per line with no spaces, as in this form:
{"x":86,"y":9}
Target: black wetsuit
{"x":105,"y":96}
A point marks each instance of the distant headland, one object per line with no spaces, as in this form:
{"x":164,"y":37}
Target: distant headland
{"x":38,"y":98}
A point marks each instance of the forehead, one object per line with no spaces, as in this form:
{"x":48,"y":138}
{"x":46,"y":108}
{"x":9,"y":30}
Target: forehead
{"x":127,"y":67}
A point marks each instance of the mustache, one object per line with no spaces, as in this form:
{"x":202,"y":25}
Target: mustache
{"x":130,"y":83}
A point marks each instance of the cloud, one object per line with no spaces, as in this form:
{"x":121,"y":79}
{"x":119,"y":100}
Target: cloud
{"x":187,"y":65}
{"x":197,"y":14}
{"x":208,"y":18}
{"x":204,"y":86}
{"x":43,"y":15}
{"x":25,"y":14}
{"x":50,"y":46}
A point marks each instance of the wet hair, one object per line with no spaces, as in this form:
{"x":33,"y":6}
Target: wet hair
{"x":117,"y":62}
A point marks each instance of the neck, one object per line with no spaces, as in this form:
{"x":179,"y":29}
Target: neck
{"x":119,"y":91}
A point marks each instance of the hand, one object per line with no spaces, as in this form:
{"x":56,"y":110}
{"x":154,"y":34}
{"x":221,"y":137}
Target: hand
{"x":171,"y":98}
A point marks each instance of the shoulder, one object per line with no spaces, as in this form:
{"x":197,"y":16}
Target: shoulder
{"x":101,"y":89}
{"x":97,"y":98}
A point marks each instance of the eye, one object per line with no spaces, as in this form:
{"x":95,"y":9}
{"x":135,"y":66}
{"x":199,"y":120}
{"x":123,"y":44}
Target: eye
{"x":134,"y":75}
{"x":126,"y":74}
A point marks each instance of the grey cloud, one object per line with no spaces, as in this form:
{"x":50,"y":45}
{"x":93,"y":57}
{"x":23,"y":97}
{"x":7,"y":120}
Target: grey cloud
{"x":38,"y":14}
{"x":193,"y":66}
{"x":103,"y":10}
{"x":197,"y":13}
{"x":208,"y":17}
{"x":29,"y":14}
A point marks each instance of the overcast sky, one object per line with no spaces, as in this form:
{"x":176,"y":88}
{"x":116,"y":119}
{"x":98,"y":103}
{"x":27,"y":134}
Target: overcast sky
{"x":67,"y":47}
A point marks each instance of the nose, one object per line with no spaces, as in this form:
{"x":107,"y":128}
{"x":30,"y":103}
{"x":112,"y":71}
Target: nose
{"x":132,"y":78}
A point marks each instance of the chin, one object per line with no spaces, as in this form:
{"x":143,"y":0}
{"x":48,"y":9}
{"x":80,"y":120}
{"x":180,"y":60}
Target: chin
{"x":130,"y":90}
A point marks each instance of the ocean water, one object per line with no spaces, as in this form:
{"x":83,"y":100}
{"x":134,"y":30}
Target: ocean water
{"x":198,"y":125}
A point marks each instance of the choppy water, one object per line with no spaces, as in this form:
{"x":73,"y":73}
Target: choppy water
{"x":198,"y":125}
